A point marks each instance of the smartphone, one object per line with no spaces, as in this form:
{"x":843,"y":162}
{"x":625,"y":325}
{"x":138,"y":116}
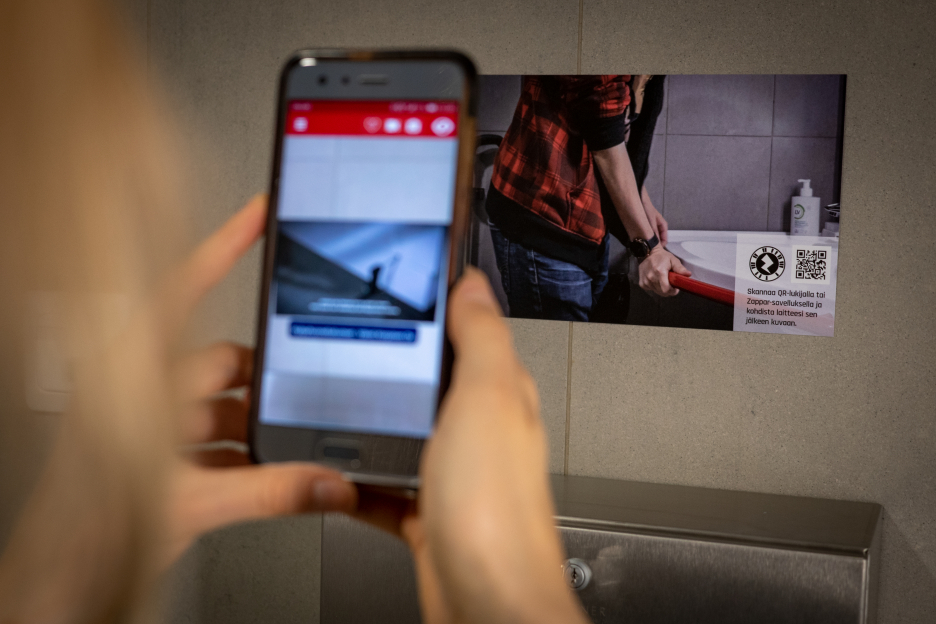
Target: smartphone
{"x":368,"y":210}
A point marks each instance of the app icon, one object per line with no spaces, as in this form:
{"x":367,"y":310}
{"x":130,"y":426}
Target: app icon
{"x":391,"y":125}
{"x":372,"y":124}
{"x":442,"y":126}
{"x":412,"y":126}
{"x":300,"y":124}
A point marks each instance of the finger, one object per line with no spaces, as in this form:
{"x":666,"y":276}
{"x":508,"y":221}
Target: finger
{"x":219,"y":458}
{"x":216,"y":497}
{"x":383,"y":511}
{"x":486,"y":364}
{"x":644,"y":283}
{"x":480,"y":337}
{"x":221,"y":366}
{"x":679,"y":268}
{"x":217,"y":419}
{"x":663,"y":283}
{"x":211,"y":261}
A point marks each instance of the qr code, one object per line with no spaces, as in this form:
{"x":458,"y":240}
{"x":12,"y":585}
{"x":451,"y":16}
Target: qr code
{"x":812,"y":265}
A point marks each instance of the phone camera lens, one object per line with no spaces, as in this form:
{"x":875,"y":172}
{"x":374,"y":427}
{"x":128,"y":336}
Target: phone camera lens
{"x":323,"y":80}
{"x":345,"y":80}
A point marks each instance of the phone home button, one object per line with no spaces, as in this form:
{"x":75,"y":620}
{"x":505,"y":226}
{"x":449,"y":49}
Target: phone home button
{"x":345,"y":453}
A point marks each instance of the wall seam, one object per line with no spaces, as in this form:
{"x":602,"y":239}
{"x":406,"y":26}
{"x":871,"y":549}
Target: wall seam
{"x":568,"y":415}
{"x":773,"y":124}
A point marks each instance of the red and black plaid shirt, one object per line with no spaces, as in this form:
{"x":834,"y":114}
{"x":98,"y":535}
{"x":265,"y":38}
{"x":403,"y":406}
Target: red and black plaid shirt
{"x":544,"y":165}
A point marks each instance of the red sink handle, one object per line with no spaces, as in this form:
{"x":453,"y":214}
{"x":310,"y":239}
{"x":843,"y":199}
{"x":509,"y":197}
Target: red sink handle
{"x":715,"y":293}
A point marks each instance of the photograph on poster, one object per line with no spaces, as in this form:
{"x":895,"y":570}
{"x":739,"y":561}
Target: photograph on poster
{"x":696,"y":201}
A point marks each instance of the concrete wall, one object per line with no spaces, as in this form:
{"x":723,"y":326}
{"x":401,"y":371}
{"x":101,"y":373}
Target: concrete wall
{"x":847,"y":417}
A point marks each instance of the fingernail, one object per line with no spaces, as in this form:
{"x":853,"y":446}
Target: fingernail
{"x":330,"y":494}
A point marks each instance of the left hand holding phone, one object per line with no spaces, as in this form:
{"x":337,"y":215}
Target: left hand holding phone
{"x":482,"y":532}
{"x":214,"y":488}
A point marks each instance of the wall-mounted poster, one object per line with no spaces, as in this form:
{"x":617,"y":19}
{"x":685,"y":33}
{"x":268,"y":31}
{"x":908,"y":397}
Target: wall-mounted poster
{"x":700,"y":201}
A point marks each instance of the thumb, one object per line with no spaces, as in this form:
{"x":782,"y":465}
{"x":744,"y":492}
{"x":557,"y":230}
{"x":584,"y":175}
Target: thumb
{"x":211,"y":261}
{"x":210,"y":498}
{"x":678,"y":267}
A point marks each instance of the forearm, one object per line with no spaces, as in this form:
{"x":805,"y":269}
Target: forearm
{"x":645,"y":199}
{"x":618,"y":175}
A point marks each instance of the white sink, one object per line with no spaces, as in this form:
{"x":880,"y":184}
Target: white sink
{"x":710,"y":255}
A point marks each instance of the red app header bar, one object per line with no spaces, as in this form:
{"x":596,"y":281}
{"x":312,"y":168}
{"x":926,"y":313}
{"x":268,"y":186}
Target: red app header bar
{"x":373,"y":118}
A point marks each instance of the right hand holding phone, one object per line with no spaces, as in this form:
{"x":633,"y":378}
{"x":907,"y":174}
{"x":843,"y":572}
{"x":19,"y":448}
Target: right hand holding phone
{"x":482,"y":533}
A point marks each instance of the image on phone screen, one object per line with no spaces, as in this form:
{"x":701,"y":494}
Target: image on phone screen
{"x":355,"y":329}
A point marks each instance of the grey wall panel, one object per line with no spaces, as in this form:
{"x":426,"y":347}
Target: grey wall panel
{"x":847,"y":417}
{"x":720,"y":105}
{"x":543,"y":347}
{"x":656,"y":170}
{"x":497,"y":101}
{"x":265,"y":571}
{"x":792,"y":159}
{"x":717,"y":182}
{"x":801,"y":106}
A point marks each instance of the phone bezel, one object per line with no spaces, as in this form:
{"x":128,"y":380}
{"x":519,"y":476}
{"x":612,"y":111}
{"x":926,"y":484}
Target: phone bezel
{"x":383,"y":460}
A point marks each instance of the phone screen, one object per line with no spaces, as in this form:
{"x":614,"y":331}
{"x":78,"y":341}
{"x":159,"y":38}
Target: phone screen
{"x":355,"y":329}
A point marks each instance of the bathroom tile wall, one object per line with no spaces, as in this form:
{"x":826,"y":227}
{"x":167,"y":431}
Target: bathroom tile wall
{"x":735,"y":146}
{"x":845,"y":417}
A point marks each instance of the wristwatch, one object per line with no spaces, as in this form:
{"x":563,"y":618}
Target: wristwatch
{"x":641,"y":248}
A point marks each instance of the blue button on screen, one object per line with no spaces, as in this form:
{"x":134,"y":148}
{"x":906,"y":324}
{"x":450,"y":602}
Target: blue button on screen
{"x":350,"y":332}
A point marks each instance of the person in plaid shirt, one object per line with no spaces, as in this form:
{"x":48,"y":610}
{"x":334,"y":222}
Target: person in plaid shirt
{"x":562,"y":180}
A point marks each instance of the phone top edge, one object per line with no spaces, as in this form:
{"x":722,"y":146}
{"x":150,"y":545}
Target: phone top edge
{"x":461,"y":59}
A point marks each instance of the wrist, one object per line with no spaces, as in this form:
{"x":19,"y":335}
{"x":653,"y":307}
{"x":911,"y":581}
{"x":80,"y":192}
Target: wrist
{"x":642,"y":248}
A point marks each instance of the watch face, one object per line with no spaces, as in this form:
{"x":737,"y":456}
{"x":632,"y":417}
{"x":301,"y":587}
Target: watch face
{"x":640,"y":248}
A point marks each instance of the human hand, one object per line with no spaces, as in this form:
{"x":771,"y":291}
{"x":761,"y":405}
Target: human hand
{"x":654,"y":272}
{"x":657,"y":222}
{"x":482,"y":534}
{"x":208,"y":489}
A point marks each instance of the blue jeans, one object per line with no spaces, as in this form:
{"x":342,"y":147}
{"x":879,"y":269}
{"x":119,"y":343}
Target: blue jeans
{"x":541,"y":287}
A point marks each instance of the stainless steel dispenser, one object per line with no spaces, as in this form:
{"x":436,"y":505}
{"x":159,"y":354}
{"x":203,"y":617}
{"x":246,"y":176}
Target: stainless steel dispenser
{"x":648,"y":553}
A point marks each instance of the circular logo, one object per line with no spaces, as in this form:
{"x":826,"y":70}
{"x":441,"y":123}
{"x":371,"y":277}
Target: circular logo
{"x":392,"y":125}
{"x":767,"y":263}
{"x":300,"y":124}
{"x":442,"y":126}
{"x":412,"y":126}
{"x":798,"y":211}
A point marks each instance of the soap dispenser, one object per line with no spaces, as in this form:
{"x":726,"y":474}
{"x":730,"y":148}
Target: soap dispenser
{"x":804,"y":212}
